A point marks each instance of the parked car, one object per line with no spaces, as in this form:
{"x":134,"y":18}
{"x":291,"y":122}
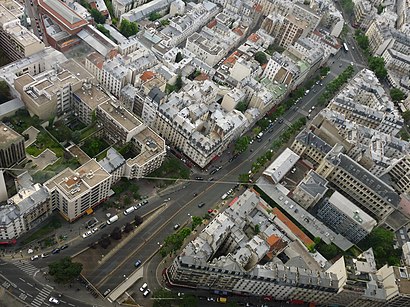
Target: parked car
{"x":87,"y":234}
{"x":176,"y":226}
{"x":201,"y":205}
{"x":55,"y":251}
{"x":45,"y":255}
{"x":35,"y":257}
{"x":137,"y":263}
{"x":144,"y":287}
{"x":146,"y":293}
{"x":64,"y":246}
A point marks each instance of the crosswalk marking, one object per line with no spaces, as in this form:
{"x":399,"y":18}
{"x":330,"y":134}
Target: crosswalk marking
{"x":41,"y":297}
{"x":25,"y":266}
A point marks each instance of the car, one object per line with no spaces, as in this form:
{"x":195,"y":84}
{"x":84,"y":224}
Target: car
{"x":103,"y":225}
{"x":176,"y":226}
{"x":195,"y":194}
{"x":54,"y":301}
{"x":55,"y":251}
{"x":87,"y":234}
{"x":35,"y":257}
{"x":144,"y":202}
{"x":144,"y":287}
{"x":94,"y":230}
{"x":213,"y":171}
{"x":210,"y":299}
{"x":340,"y":65}
{"x":211,"y":179}
{"x":199,"y":178}
{"x":45,"y":255}
{"x":64,"y":246}
{"x":168,"y":199}
{"x":137,"y":263}
{"x":201,"y":205}
{"x":351,"y":63}
{"x":107,"y":292}
{"x":280,"y":121}
{"x":146,"y":293}
{"x":210,"y":210}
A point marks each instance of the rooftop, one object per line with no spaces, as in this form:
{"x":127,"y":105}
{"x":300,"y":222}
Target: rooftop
{"x":282,"y":164}
{"x":91,"y":95}
{"x":120,"y":115}
{"x":75,"y":183}
{"x":8,"y":136}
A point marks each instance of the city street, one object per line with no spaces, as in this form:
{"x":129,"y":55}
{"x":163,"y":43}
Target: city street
{"x":21,"y":276}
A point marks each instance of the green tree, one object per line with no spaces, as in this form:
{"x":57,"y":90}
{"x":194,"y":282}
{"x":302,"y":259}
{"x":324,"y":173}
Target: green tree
{"x":103,"y":30}
{"x":362,"y":40}
{"x":116,"y":233}
{"x":263,"y":123}
{"x":110,"y":9}
{"x":76,"y":136}
{"x":97,"y":16}
{"x":380,"y":9}
{"x":178,"y":57}
{"x":329,"y":251}
{"x":105,"y":241}
{"x":138,"y":220}
{"x":128,"y":28}
{"x":243,"y":178}
{"x":347,"y":6}
{"x":242,"y":106}
{"x":165,"y":22}
{"x":154,"y":16}
{"x":64,"y":270}
{"x":381,"y":240}
{"x":196,"y":221}
{"x":242,"y":144}
{"x":256,"y":130}
{"x":85,"y":4}
{"x":261,"y":57}
{"x":4,"y":92}
{"x":178,"y":83}
{"x":128,"y":228}
{"x":397,"y":95}
{"x":376,"y":64}
{"x":406,"y":116}
{"x":256,"y":229}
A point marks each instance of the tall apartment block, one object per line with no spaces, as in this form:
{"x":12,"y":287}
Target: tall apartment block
{"x":75,"y":193}
{"x":12,"y":148}
{"x":15,"y":40}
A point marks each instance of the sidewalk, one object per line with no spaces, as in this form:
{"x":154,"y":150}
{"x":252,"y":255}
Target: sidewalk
{"x":75,"y":290}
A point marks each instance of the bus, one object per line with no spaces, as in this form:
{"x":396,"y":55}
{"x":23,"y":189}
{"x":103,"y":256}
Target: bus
{"x":345,"y":47}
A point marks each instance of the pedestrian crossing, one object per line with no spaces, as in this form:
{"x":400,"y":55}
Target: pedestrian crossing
{"x":41,"y":297}
{"x":25,"y":266}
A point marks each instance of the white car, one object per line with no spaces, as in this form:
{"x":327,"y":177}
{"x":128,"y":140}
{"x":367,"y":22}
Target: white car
{"x":94,"y":230}
{"x":54,"y":301}
{"x":144,"y":287}
{"x":148,"y":291}
{"x":34,"y":257}
{"x":87,"y":234}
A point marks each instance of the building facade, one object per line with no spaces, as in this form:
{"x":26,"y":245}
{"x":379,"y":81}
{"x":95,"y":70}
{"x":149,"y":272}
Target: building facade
{"x":12,"y":149}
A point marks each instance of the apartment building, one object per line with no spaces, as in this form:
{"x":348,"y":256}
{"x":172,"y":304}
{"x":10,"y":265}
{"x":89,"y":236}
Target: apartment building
{"x":181,"y":27}
{"x":12,"y":149}
{"x":203,"y":129}
{"x":25,"y":210}
{"x":123,"y":6}
{"x":142,"y":11}
{"x":49,"y":93}
{"x":372,"y":194}
{"x":120,"y":126}
{"x":114,"y":164}
{"x":310,"y":190}
{"x":364,"y":13}
{"x":76,"y":192}
{"x":224,"y":257}
{"x":205,"y":49}
{"x":288,"y":28}
{"x":282,"y":69}
{"x":85,"y":101}
{"x":400,"y":174}
{"x":15,"y":40}
{"x":345,"y":218}
{"x":379,"y":36}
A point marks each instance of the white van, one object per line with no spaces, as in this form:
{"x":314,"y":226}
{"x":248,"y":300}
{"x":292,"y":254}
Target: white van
{"x":129,"y":210}
{"x":112,"y":219}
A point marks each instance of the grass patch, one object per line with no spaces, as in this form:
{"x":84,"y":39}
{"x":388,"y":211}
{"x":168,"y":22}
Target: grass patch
{"x":52,"y":170}
{"x":22,"y":120}
{"x":42,"y":142}
{"x":43,"y":231}
{"x":171,"y":168}
{"x":93,"y":146}
{"x":85,"y":133}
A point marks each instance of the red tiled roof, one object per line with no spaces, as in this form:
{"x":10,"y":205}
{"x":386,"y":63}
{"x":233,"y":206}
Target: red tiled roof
{"x":258,"y":7}
{"x":253,"y":37}
{"x":147,"y":75}
{"x":295,"y":229}
{"x":238,"y":31}
{"x":212,"y":24}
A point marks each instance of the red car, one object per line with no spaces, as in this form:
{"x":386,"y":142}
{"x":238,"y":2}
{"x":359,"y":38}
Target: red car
{"x":210,"y":210}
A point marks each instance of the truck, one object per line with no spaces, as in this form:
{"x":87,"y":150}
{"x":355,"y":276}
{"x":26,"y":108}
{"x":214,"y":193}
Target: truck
{"x":112,"y":219}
